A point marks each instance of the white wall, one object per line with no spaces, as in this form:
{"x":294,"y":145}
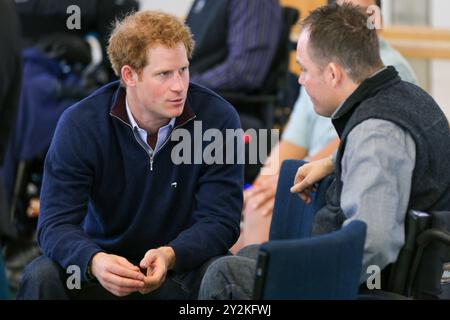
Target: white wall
{"x":177,"y":7}
{"x":440,"y":69}
{"x":386,"y":10}
{"x":434,"y":75}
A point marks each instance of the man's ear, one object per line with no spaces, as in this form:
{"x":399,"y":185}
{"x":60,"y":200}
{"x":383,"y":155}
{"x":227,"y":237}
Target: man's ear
{"x":128,"y":76}
{"x":335,"y":74}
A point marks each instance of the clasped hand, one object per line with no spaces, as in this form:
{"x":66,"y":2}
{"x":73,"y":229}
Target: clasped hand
{"x":120,"y":277}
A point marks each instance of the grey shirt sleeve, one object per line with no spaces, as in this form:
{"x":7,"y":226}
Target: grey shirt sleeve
{"x":377,"y":168}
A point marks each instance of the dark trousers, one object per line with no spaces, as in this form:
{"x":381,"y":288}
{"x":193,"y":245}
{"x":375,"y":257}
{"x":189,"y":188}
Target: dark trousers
{"x":45,"y":279}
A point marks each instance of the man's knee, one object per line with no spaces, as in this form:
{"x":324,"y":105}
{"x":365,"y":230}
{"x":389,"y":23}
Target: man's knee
{"x":41,"y":277}
{"x":250,"y":251}
{"x":228,"y":277}
{"x":42,"y":269}
{"x":215,"y":279}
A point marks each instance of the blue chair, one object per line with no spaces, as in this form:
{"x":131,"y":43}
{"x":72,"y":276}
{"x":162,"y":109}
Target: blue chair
{"x":292,"y":218}
{"x":323,"y":267}
{"x":418,"y":272}
{"x":292,"y":265}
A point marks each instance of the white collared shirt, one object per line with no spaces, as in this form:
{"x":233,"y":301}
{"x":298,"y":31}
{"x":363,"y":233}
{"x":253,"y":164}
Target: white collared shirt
{"x":141,"y":134}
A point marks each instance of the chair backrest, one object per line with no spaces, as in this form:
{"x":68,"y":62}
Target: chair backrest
{"x":419,"y":267}
{"x":292,"y":218}
{"x":322,"y":267}
{"x":292,"y":265}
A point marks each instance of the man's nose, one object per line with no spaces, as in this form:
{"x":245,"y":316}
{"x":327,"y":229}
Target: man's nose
{"x":178,"y":83}
{"x":301,"y":79}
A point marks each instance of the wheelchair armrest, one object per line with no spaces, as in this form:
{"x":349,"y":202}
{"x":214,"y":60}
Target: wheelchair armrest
{"x":433,"y":235}
{"x":423,"y":240}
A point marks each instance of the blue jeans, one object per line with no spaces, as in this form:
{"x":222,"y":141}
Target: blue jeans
{"x":231,"y":277}
{"x":45,"y":279}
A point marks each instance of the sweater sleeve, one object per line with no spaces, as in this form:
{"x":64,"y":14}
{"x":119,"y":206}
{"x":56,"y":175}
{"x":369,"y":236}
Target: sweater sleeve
{"x":217,"y":209}
{"x":68,"y":177}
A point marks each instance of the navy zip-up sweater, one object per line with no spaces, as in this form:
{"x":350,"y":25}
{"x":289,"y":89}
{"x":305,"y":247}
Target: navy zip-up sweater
{"x":103,"y":192}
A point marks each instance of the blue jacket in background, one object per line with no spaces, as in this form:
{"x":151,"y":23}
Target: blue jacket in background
{"x":100,"y":194}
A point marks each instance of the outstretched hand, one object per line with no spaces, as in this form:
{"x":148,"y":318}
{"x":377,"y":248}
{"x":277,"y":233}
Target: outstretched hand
{"x":308,"y":174}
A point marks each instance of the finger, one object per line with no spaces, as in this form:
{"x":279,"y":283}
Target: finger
{"x":304,"y":193}
{"x":295,"y":188}
{"x":148,"y":259}
{"x":268,"y":200}
{"x":125,"y":283}
{"x":270,"y":181}
{"x":256,"y":201}
{"x":126,"y":272}
{"x":247,"y":195}
{"x":256,"y":182}
{"x":299,"y":187}
{"x":298,"y":179}
{"x":156,"y":276}
{"x":264,"y":182}
{"x":299,"y":173}
{"x":270,"y":185}
{"x":118,"y":291}
{"x":148,"y":289}
{"x":305,"y":197}
{"x":127,"y":264}
{"x":260,"y":200}
{"x":247,"y":210}
{"x":145,"y":291}
{"x":267,"y":209}
{"x":254,"y":192}
{"x":247,"y":198}
{"x":248,"y":192}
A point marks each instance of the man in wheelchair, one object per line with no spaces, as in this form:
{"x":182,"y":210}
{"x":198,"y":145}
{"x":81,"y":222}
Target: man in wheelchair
{"x":394,"y":139}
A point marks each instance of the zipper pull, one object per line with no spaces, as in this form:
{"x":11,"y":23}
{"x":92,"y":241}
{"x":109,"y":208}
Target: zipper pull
{"x":151,"y":163}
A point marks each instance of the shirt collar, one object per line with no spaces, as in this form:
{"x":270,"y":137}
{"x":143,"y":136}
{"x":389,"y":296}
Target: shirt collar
{"x":373,"y":75}
{"x":134,"y":123}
